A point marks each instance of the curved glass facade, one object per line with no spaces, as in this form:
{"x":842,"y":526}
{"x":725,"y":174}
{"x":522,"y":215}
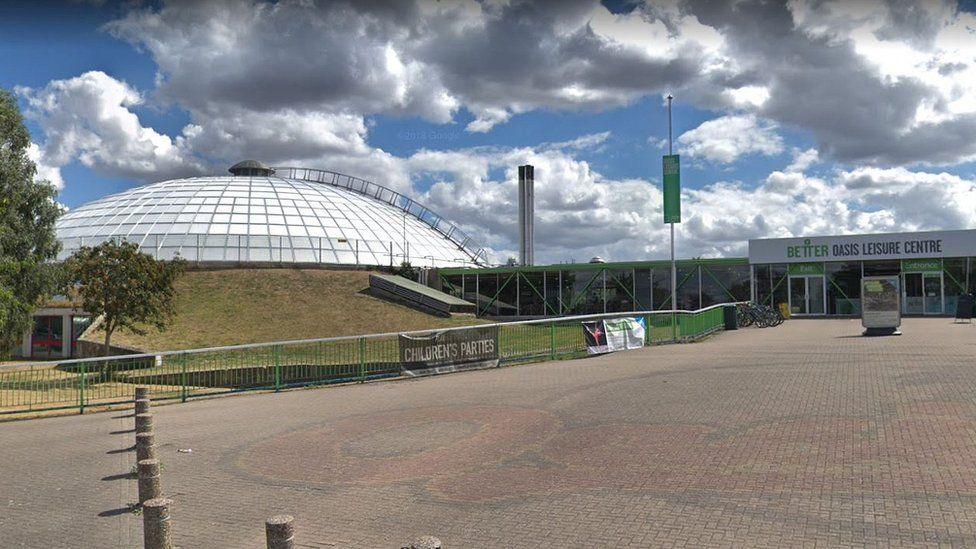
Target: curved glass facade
{"x":262,"y":219}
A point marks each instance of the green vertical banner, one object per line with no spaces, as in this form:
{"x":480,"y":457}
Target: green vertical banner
{"x":672,"y":189}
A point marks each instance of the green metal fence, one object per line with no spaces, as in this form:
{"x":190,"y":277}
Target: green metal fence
{"x":80,"y":383}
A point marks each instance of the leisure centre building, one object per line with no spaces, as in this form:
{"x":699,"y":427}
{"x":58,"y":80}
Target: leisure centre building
{"x":261,"y":216}
{"x":813,"y":276}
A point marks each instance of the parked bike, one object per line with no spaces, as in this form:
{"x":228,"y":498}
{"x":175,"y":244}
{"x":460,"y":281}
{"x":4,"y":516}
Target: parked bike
{"x":763,"y":316}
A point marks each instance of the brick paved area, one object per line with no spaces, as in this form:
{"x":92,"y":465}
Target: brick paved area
{"x":802,"y":434}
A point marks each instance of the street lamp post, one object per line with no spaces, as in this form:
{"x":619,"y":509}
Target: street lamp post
{"x":674,"y":270}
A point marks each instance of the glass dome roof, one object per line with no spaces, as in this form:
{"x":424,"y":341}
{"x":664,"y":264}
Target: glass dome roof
{"x":297,"y":215}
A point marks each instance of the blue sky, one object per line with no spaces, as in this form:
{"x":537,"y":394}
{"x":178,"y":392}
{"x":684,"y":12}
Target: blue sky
{"x":119,"y":95}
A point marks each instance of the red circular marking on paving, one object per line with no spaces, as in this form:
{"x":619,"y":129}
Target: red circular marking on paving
{"x":399,"y":446}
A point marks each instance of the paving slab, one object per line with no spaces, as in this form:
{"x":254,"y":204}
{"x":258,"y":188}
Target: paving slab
{"x":802,"y":435}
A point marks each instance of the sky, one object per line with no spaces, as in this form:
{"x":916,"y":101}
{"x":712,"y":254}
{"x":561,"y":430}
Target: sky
{"x":794,"y":118}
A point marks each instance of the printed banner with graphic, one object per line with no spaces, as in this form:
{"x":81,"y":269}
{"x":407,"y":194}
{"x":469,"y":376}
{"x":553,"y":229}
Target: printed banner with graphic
{"x":618,"y":334}
{"x":449,"y":351}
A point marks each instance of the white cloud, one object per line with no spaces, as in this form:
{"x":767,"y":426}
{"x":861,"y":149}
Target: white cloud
{"x":293,"y":82}
{"x":89,"y":118}
{"x":45,"y":172}
{"x":802,"y":160}
{"x":727,"y":138}
{"x":580,"y":213}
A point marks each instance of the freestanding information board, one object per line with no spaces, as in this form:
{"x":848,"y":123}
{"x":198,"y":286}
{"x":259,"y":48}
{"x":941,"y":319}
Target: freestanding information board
{"x":880,"y":306}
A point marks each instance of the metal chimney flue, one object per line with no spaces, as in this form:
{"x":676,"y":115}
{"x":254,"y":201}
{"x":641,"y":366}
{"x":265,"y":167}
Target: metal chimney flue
{"x":526,"y":214}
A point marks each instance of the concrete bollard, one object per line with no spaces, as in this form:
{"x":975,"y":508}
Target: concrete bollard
{"x":145,"y":445}
{"x":149,"y":484}
{"x":142,"y":405}
{"x":142,"y":392}
{"x":144,"y":423}
{"x":156,"y":524}
{"x":425,"y":542}
{"x":280,"y":532}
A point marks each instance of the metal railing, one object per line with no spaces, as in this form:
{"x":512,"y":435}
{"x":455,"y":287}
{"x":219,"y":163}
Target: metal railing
{"x":451,"y":231}
{"x":81,"y":383}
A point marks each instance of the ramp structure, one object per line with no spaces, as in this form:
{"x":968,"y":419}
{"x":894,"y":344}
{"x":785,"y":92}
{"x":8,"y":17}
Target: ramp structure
{"x":413,"y":294}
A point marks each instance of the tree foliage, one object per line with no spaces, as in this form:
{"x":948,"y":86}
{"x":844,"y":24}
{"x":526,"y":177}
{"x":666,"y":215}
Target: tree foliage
{"x":127,"y":288}
{"x":28,"y":212}
{"x":406,"y":270}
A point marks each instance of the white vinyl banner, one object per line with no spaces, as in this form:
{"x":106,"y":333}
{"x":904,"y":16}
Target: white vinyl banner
{"x":618,"y":334}
{"x":624,"y":333}
{"x":931,"y":244}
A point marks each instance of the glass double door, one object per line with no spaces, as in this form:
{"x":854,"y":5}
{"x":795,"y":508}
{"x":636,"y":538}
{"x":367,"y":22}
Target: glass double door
{"x":807,"y":295}
{"x":922,"y":294}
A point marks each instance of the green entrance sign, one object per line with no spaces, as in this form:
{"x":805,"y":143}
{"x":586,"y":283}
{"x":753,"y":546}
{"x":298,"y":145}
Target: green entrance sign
{"x":921,"y":265}
{"x":672,"y":189}
{"x":799,"y":269}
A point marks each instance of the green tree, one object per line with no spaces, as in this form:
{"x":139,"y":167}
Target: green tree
{"x":127,"y":288}
{"x":28,"y":211}
{"x":408,"y":271}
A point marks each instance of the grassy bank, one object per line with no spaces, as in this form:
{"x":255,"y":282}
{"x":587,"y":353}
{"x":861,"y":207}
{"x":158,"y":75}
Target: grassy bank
{"x":230,"y":307}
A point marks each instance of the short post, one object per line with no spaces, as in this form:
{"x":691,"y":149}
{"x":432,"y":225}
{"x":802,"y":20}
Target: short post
{"x":280,"y":532}
{"x":142,"y":392}
{"x":149,"y":486}
{"x":156,"y":524}
{"x":144,"y":423}
{"x":142,"y":406}
{"x":145,"y":446}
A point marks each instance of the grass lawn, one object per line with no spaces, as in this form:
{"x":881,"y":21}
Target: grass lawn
{"x":235,"y":306}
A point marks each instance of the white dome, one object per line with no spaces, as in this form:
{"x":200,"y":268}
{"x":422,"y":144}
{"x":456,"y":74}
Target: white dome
{"x":295,"y":216}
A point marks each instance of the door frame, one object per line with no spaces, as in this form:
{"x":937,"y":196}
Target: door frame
{"x":923,"y":275}
{"x":942,"y":305}
{"x":806,"y":294}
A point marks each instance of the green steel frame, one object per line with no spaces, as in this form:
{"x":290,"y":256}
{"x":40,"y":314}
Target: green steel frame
{"x":602,"y":272}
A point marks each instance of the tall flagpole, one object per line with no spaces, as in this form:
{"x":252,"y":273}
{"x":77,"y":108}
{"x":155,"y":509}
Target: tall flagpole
{"x":674,"y":271}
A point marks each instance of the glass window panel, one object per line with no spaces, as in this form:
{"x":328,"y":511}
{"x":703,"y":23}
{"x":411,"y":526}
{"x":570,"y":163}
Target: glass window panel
{"x":212,"y":254}
{"x":642,"y":290}
{"x":487,"y":288}
{"x":779,"y":275}
{"x":661,"y":283}
{"x":882,"y":268}
{"x":470,"y":288}
{"x":531,"y":297}
{"x":507,"y":300}
{"x":764,"y":287}
{"x":688,"y":287}
{"x":953,"y":282}
{"x":552,"y":293}
{"x":843,"y":287}
{"x":305,"y":256}
{"x":619,"y":290}
{"x":587,"y":291}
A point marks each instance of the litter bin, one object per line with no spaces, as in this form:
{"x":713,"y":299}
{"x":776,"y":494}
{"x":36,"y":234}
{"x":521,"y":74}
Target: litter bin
{"x":731,"y":322}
